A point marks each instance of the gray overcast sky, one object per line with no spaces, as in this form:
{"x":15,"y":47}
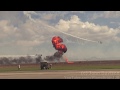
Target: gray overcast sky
{"x":30,"y":32}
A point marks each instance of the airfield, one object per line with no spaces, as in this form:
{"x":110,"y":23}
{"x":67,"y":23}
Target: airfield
{"x":63,"y":74}
{"x":77,"y":70}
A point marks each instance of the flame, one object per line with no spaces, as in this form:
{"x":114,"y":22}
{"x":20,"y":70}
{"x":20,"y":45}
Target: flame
{"x":67,"y":60}
{"x":56,"y":41}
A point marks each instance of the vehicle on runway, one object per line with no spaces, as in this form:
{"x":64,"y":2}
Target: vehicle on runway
{"x":45,"y":65}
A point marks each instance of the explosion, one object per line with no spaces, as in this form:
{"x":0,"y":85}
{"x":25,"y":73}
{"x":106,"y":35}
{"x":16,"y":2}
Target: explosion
{"x":58,"y":45}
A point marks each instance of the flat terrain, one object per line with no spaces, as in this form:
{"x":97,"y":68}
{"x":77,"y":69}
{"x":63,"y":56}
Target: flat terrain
{"x":77,"y":70}
{"x":62,"y":74}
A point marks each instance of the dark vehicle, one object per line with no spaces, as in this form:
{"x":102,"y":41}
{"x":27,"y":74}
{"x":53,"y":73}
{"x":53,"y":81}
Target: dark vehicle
{"x":45,"y":65}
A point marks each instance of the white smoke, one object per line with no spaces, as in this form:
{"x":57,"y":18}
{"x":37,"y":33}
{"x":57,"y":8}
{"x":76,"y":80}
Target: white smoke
{"x":28,"y":14}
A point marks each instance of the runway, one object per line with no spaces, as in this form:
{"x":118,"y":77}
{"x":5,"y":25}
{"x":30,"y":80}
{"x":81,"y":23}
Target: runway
{"x":62,"y":74}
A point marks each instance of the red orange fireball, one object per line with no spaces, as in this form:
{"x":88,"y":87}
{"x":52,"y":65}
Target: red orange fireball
{"x":57,"y":44}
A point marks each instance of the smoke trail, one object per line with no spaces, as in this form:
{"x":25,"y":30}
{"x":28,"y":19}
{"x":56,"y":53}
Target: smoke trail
{"x":28,"y":14}
{"x":73,"y":35}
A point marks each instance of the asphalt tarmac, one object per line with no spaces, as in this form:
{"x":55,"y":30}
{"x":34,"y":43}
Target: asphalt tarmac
{"x":62,"y":74}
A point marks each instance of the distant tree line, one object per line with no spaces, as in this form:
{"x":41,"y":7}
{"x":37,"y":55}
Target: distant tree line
{"x":20,"y":60}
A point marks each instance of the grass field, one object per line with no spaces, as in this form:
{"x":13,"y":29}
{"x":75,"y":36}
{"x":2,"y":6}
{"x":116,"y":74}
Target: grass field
{"x":61,"y":66}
